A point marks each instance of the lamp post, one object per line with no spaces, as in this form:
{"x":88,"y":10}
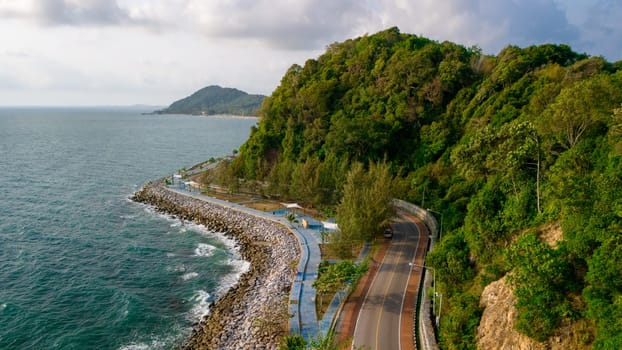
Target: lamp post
{"x":441,"y":230}
{"x":438,"y":318}
{"x":434,"y":295}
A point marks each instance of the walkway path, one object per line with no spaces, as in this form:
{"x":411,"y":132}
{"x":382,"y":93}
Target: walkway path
{"x":302,"y":295}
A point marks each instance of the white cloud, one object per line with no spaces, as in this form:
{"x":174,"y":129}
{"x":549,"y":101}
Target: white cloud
{"x":301,"y":24}
{"x":78,"y":13}
{"x":491,"y":25}
{"x":150,"y":51}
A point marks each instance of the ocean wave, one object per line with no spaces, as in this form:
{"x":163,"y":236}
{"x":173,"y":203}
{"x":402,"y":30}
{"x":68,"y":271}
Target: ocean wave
{"x":204,"y":249}
{"x":134,"y":346}
{"x":189,"y":275}
{"x":177,"y":268}
{"x":154,"y":344}
{"x":183,"y":225}
{"x":201,"y":308}
{"x":240,"y":267}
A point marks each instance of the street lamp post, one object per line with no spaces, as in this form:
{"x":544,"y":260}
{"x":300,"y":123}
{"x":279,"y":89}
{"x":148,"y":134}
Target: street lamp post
{"x":434,"y":295}
{"x":438,"y":318}
{"x":441,"y":230}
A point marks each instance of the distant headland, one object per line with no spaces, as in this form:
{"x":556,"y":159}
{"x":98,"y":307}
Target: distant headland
{"x":216,"y":100}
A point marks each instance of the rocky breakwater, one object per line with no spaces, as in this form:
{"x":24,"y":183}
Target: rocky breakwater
{"x":253,"y":314}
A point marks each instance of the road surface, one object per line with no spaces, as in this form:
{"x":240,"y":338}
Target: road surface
{"x":385,"y":307}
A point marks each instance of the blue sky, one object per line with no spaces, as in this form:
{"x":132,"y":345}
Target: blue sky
{"x":123,"y":52}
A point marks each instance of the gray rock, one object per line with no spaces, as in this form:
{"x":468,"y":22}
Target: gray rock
{"x":268,"y":246}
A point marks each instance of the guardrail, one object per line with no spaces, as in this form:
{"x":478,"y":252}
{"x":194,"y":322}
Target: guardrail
{"x":426,"y":329}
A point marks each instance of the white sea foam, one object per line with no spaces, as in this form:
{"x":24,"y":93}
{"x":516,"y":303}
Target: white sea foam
{"x":134,"y":346}
{"x":189,"y":275}
{"x":202,"y":302}
{"x":154,"y":344}
{"x":229,"y":243}
{"x":204,"y":249}
{"x":177,"y":268}
{"x":239,"y":268}
{"x":163,"y":342}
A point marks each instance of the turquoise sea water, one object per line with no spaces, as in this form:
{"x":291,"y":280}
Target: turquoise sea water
{"x":81,"y":266}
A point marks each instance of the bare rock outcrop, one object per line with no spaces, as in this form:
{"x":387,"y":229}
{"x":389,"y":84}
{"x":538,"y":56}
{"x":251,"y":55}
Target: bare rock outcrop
{"x":496,"y":328}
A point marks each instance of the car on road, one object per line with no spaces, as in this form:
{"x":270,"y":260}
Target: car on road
{"x":388,"y":232}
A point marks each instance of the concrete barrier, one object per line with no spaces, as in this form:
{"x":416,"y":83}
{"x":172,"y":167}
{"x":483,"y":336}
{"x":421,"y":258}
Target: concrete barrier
{"x":426,"y":328}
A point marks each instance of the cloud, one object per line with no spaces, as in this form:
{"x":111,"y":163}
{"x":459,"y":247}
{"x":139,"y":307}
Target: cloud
{"x":491,"y":25}
{"x":173,"y":47}
{"x":301,"y":24}
{"x":601,"y":32}
{"x":313,"y":24}
{"x":34,"y":71}
{"x":76,"y":13}
{"x":70,"y":12}
{"x":308,"y":24}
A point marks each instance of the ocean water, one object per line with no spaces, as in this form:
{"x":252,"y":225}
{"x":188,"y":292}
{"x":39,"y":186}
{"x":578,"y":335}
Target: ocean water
{"x":83,"y":267}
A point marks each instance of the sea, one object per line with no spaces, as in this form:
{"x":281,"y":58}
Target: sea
{"x":81,"y":265}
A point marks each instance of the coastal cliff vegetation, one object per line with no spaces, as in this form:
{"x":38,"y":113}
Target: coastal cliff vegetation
{"x":500,"y":145}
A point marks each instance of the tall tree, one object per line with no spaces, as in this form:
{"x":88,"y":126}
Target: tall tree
{"x":578,"y":108}
{"x":366,"y":204}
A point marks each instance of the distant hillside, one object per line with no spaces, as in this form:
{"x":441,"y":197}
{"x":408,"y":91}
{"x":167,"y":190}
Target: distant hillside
{"x":216,"y":100}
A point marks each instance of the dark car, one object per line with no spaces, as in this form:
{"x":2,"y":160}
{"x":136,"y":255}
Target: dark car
{"x":388,"y":232}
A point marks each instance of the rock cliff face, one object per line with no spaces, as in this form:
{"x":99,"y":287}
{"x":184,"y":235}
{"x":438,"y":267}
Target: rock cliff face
{"x":251,"y":314}
{"x":496,"y":328}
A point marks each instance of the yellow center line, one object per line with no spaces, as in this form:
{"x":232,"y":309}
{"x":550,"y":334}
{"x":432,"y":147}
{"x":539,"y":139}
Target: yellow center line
{"x":384,"y":298}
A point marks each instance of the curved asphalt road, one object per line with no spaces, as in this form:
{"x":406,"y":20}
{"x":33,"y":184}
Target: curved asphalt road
{"x":379,"y":321}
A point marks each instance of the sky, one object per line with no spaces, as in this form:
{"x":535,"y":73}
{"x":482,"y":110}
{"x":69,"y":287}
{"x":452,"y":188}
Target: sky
{"x":153,"y":52}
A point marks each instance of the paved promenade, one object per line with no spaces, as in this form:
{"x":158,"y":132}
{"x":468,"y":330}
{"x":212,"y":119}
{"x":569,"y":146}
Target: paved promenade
{"x":302,"y":296}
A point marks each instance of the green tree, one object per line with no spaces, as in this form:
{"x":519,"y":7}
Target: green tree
{"x":459,"y":325}
{"x":225,"y":175}
{"x":305,"y":182}
{"x":336,"y":276}
{"x":498,"y":143}
{"x":539,"y":276}
{"x":280,"y":179}
{"x":293,"y":342}
{"x":366,"y":204}
{"x":604,"y":293}
{"x":451,"y":260}
{"x":578,"y":108}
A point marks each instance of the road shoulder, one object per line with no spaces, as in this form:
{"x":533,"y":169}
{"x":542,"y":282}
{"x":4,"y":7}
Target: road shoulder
{"x":346,"y":322}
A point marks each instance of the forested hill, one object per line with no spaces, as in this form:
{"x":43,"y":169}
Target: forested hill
{"x":503,"y":146}
{"x":216,"y":100}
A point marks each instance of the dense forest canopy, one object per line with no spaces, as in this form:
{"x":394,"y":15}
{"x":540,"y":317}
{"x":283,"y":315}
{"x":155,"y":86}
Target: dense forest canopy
{"x":503,"y":146}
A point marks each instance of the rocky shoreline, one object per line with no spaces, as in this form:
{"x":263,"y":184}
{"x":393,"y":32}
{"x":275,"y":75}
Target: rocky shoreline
{"x":253,"y":314}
